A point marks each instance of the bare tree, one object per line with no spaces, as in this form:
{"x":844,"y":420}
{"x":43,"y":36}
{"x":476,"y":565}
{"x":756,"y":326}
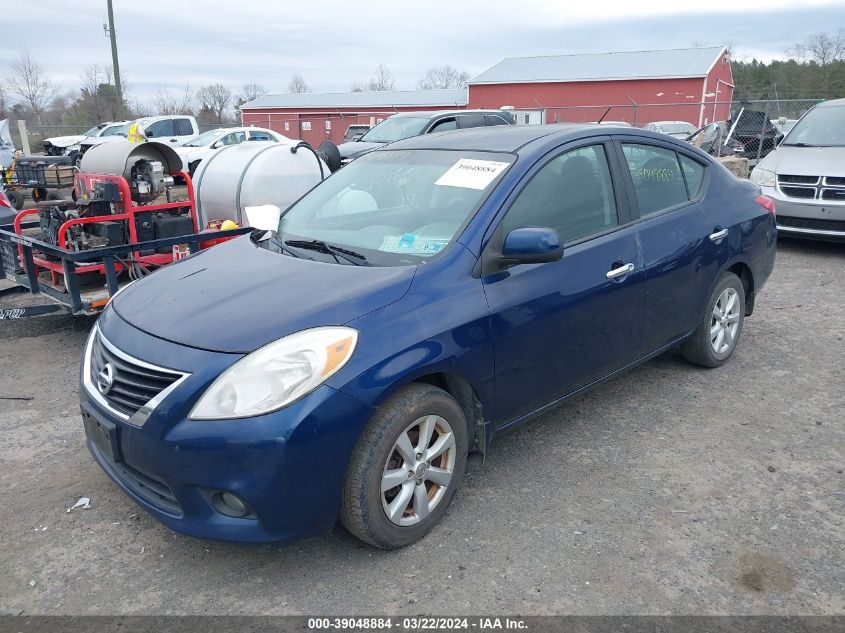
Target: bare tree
{"x":215,"y":98}
{"x":358,"y":86}
{"x":443,"y":77}
{"x":297,"y":85}
{"x":383,"y":79}
{"x":28,"y":81}
{"x":825,"y":49}
{"x":249,"y":92}
{"x":166,"y":102}
{"x":822,"y":48}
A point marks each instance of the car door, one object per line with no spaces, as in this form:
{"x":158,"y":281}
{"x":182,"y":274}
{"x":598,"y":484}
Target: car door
{"x":560,"y":326}
{"x":682,"y":242}
{"x":161,"y":131}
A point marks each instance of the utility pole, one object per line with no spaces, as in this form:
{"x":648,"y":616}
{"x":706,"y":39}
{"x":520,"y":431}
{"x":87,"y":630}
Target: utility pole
{"x":115,"y":64}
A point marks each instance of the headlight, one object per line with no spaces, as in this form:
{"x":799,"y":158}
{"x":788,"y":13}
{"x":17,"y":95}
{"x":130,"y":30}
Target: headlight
{"x":277,"y":374}
{"x":763,"y":177}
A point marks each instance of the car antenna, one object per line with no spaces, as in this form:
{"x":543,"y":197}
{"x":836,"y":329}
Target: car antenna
{"x":606,"y":112}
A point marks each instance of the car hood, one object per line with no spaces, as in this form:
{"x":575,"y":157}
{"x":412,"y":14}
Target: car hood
{"x":237,"y":297}
{"x":355,"y":148}
{"x":806,"y":161}
{"x":187,"y":151}
{"x":65,"y":141}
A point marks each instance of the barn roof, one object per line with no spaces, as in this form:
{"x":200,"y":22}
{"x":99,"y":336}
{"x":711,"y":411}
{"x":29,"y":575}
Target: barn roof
{"x":665,"y":64}
{"x":363,"y":99}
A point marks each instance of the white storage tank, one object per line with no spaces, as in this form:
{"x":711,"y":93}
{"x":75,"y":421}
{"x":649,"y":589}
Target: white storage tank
{"x":254,"y":173}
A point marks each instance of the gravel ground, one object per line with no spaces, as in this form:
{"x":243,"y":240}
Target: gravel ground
{"x":669,"y":490}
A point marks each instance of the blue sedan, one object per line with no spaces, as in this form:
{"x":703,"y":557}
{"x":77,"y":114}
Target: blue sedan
{"x":406,"y":310}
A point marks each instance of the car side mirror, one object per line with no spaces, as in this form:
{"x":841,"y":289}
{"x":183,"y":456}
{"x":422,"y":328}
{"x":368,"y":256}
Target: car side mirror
{"x":531,"y":246}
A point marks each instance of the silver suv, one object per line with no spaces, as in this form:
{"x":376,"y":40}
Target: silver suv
{"x":805,"y":175}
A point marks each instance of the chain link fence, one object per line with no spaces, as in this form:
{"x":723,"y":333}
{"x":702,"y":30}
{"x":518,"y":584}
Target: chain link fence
{"x":747,"y":129}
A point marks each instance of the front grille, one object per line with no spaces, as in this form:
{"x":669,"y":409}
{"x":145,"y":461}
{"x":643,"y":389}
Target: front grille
{"x":134,"y":383}
{"x":811,"y":223}
{"x":808,"y":193}
{"x":835,"y":181}
{"x":833,"y":194}
{"x":798,"y":180}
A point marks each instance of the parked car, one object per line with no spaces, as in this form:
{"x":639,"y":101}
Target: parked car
{"x":679,"y":129}
{"x":756,"y":133}
{"x":409,"y":308}
{"x":408,"y":124}
{"x":69,"y":145}
{"x":173,"y":130}
{"x":196,"y":149}
{"x":355,"y":131}
{"x":805,"y":175}
{"x":714,"y":138}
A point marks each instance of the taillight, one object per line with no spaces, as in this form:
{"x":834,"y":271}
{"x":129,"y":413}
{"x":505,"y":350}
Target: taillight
{"x":767,"y":203}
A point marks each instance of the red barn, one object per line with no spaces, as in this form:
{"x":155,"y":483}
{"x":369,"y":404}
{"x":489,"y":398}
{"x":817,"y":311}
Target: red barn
{"x":690,"y":84}
{"x":315,"y":117}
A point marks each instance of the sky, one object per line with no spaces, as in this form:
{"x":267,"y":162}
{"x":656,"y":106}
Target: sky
{"x":332,"y":44}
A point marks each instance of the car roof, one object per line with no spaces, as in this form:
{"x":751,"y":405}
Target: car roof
{"x":500,"y":138}
{"x":436,"y":113}
{"x":832,"y":103}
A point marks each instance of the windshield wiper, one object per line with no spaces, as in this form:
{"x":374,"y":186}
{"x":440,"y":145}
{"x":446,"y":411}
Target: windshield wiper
{"x":800,"y":145}
{"x":259,"y":235}
{"x":320,"y":246}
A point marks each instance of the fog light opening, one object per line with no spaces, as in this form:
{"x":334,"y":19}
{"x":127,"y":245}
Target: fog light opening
{"x":232,"y":505}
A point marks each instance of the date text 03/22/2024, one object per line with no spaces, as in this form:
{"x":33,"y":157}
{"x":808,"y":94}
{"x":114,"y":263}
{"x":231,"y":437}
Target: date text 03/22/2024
{"x":416,"y":623}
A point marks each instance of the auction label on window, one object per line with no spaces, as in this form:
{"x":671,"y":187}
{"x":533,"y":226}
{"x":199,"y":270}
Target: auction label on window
{"x":471,"y":173}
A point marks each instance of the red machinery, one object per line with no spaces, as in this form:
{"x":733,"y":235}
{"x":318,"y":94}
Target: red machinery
{"x":114,"y":224}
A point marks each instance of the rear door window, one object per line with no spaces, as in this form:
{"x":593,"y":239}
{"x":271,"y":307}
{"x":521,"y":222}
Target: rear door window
{"x":183,"y":127}
{"x":693,"y":174}
{"x":494,"y":119}
{"x":657,"y":177}
{"x":471,"y":120}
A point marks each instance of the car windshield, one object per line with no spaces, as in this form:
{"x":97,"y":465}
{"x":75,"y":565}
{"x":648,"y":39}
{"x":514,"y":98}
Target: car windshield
{"x":677,"y":128}
{"x":820,"y":127}
{"x":395,"y":129}
{"x":92,"y":132}
{"x":206,"y":138}
{"x":394,"y":207}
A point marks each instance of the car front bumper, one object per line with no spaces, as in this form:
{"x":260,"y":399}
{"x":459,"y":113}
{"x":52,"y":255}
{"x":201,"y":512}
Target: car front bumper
{"x":811,"y":219}
{"x":288,"y":467}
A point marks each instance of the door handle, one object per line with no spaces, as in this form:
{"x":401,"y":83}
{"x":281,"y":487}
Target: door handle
{"x":620,"y":272}
{"x":718,"y":236}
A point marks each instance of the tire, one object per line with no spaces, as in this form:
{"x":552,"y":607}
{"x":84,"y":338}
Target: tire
{"x":16,"y":198}
{"x":38,"y":194}
{"x":700,"y":348}
{"x":364,"y":507}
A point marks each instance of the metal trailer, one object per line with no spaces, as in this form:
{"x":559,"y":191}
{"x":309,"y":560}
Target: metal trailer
{"x":42,"y":175}
{"x":19,"y":255}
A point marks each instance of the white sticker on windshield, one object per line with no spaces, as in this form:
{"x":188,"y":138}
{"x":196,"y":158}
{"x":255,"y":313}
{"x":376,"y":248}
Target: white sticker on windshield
{"x":471,"y":173}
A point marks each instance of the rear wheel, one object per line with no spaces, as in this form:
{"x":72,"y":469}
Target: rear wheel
{"x":17,"y":199}
{"x":38,"y":194}
{"x":717,"y":336}
{"x":406,"y":468}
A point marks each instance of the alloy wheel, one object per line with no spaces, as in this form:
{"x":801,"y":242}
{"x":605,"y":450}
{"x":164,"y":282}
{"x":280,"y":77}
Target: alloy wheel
{"x":418,"y":470}
{"x":724,"y":321}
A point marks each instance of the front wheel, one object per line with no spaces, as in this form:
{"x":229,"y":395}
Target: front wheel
{"x":716,"y":337}
{"x":406,"y":467}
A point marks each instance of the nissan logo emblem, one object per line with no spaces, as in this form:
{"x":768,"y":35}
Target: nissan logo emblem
{"x":105,"y":379}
